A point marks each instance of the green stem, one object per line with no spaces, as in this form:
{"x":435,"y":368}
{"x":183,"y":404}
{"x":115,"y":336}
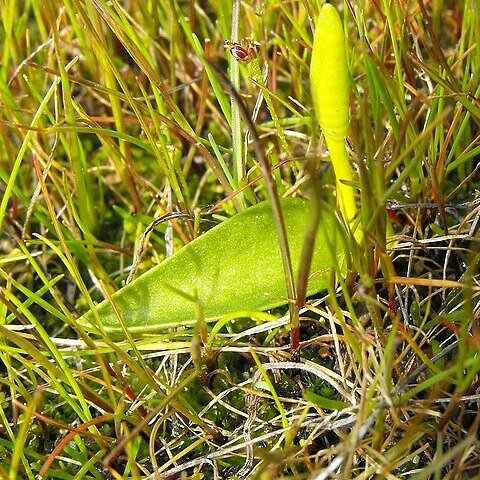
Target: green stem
{"x":344,"y":177}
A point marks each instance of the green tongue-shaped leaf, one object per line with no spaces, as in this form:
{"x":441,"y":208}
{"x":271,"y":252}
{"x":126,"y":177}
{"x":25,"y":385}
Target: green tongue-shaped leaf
{"x":235,"y":266}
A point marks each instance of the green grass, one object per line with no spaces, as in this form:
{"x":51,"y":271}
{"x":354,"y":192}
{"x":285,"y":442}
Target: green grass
{"x":111,"y":118}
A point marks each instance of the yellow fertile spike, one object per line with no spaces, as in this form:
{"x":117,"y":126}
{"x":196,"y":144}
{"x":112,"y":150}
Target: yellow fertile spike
{"x":330,"y":90}
{"x":329,"y":74}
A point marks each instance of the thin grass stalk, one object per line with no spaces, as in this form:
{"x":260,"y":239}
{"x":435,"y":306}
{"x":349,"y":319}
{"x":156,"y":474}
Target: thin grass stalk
{"x":234,"y":69}
{"x":273,"y":197}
